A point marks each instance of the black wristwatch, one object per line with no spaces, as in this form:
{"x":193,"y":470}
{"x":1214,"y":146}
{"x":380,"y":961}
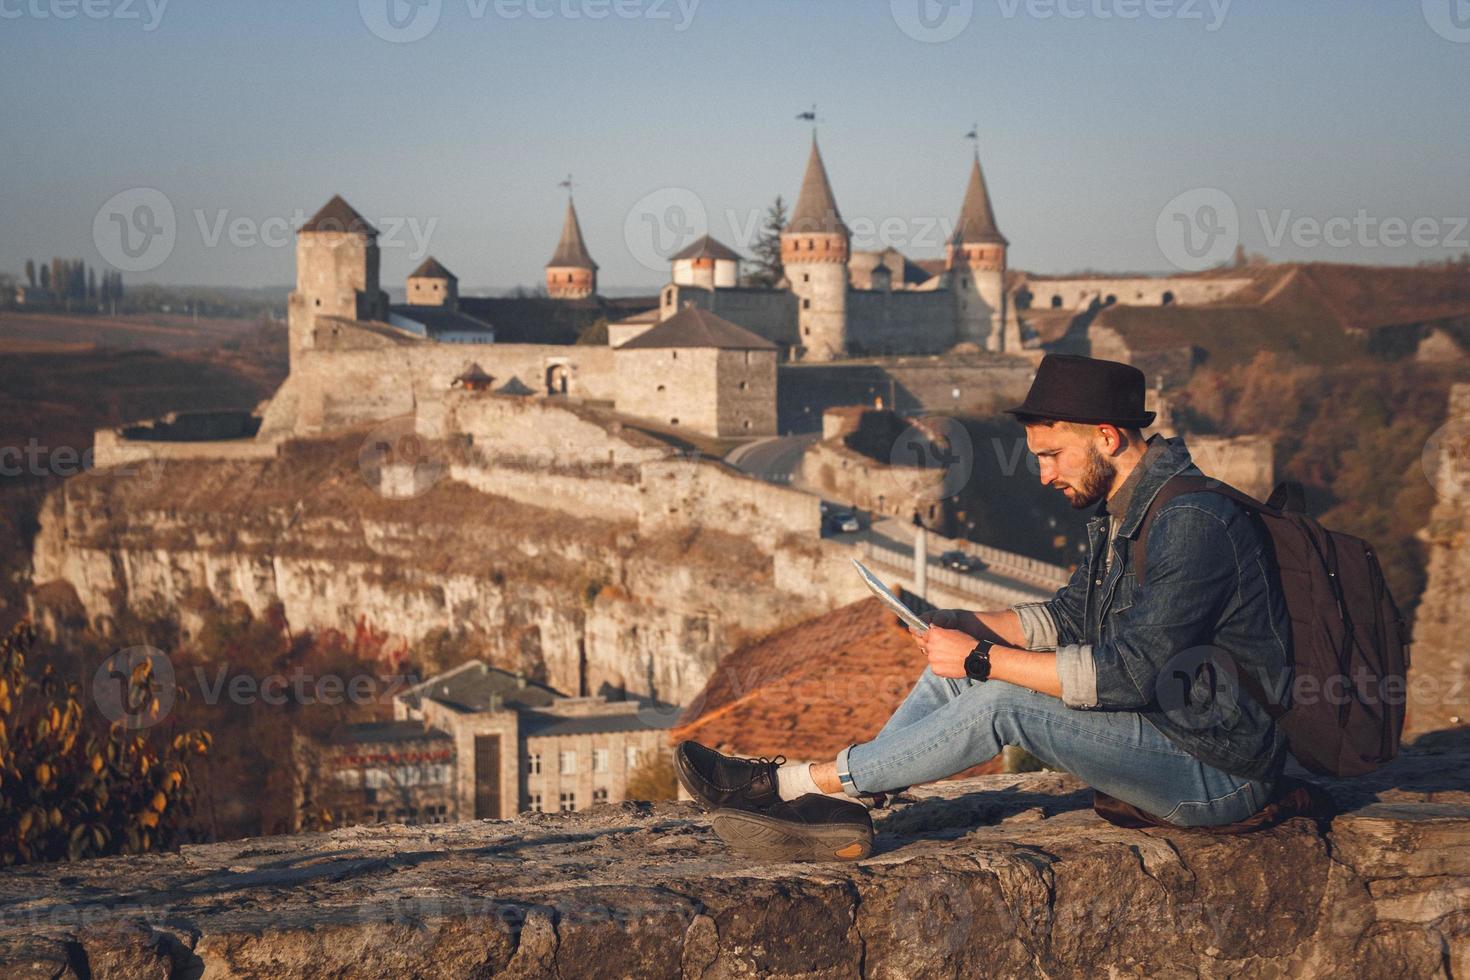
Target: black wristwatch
{"x":977,"y":664}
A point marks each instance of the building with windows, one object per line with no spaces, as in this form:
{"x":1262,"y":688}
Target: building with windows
{"x":378,"y":772}
{"x":519,"y":745}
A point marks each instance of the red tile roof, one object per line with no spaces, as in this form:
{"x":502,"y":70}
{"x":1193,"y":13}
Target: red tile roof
{"x":809,"y":691}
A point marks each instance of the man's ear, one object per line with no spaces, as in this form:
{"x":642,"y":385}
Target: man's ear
{"x":1112,"y":439}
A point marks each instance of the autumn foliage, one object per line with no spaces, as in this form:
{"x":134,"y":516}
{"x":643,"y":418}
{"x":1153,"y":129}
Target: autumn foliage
{"x":73,"y":786}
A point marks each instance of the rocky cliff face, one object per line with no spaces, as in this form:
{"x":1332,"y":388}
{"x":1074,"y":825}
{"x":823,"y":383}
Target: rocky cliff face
{"x":997,"y":876}
{"x":572,"y":600}
{"x":1439,"y":689}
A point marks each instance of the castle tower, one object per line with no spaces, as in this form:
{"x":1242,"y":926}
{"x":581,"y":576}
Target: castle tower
{"x":814,"y":250}
{"x":976,"y":258}
{"x":433,"y":285}
{"x":336,"y":273}
{"x":571,"y":273}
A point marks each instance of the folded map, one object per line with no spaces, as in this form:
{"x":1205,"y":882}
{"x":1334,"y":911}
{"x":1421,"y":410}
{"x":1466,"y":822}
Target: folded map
{"x":889,"y":599}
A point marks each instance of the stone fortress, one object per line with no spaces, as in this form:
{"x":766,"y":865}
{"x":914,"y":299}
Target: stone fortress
{"x":703,"y":354}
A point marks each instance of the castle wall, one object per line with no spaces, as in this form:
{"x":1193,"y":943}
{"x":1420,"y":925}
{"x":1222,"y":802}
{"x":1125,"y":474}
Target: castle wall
{"x":746,"y":382}
{"x":769,"y":313}
{"x":674,"y":386}
{"x":1245,"y":462}
{"x":902,"y":322}
{"x":336,"y":388}
{"x":1078,"y":294}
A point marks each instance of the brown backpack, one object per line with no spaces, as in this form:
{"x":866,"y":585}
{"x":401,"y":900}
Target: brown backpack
{"x":1349,"y":643}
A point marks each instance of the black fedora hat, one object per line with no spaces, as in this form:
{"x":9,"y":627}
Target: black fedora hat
{"x":1069,"y":388}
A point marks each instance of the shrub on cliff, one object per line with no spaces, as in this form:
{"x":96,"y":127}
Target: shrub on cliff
{"x":72,"y":787}
{"x":654,"y":778}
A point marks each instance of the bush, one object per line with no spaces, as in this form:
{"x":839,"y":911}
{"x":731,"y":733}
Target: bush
{"x":71,"y":788}
{"x":654,"y":778}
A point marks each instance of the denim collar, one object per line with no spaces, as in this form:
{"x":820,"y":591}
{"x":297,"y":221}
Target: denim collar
{"x":1163,"y":459}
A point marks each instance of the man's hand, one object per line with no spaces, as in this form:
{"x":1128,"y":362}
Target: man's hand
{"x":946,"y":649}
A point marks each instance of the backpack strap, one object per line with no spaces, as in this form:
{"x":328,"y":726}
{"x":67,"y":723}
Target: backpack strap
{"x":1177,"y":486}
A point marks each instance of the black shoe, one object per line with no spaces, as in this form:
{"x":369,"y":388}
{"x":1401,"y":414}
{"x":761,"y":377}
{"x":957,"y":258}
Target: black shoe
{"x":809,"y":828}
{"x":717,"y":780}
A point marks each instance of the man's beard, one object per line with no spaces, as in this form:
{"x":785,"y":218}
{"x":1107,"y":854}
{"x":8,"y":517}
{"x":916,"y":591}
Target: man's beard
{"x":1096,"y":480}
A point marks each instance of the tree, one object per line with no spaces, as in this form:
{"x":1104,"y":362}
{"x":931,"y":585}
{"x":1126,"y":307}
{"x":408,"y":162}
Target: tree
{"x":45,"y":278}
{"x":768,"y":268}
{"x":654,"y":778}
{"x":92,"y":285}
{"x":31,"y":273}
{"x":71,"y":788}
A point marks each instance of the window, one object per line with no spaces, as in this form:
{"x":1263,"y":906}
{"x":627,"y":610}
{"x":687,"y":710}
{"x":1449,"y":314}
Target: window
{"x":569,"y":763}
{"x":806,"y":304}
{"x":806,"y":277}
{"x":533,"y":764}
{"x":534,"y":803}
{"x":599,"y":796}
{"x":660,"y":387}
{"x":599,"y":760}
{"x":568,"y":802}
{"x":631,"y":757}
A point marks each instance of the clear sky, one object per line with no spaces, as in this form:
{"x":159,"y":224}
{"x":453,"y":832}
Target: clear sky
{"x":1093,"y":116}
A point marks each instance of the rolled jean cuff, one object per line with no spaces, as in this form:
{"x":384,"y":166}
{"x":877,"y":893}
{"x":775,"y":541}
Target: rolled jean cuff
{"x":844,"y":774}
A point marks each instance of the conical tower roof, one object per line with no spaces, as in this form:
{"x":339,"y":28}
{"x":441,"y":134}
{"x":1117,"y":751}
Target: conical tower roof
{"x":431,"y":268}
{"x":977,"y":219}
{"x":816,"y":206}
{"x":571,"y":251}
{"x":338,"y":215}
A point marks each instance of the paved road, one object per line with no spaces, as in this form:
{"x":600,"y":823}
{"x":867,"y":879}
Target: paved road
{"x":774,"y":459}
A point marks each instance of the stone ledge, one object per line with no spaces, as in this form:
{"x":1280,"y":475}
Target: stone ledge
{"x":995,"y":876}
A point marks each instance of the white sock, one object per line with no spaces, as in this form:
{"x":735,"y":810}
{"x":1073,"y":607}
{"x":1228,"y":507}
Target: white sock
{"x":795,"y":779}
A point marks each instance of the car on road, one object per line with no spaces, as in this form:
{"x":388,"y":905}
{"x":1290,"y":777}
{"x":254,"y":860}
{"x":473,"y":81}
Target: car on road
{"x":843,"y":522}
{"x":959,"y":561}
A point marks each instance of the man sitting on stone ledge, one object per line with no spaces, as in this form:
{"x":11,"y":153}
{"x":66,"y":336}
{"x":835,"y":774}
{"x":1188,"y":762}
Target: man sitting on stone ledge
{"x":1101,"y":680}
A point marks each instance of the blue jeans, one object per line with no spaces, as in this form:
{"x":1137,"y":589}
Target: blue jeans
{"x":946,"y":726}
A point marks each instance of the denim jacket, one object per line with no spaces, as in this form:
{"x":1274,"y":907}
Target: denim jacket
{"x":1173,"y":649}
